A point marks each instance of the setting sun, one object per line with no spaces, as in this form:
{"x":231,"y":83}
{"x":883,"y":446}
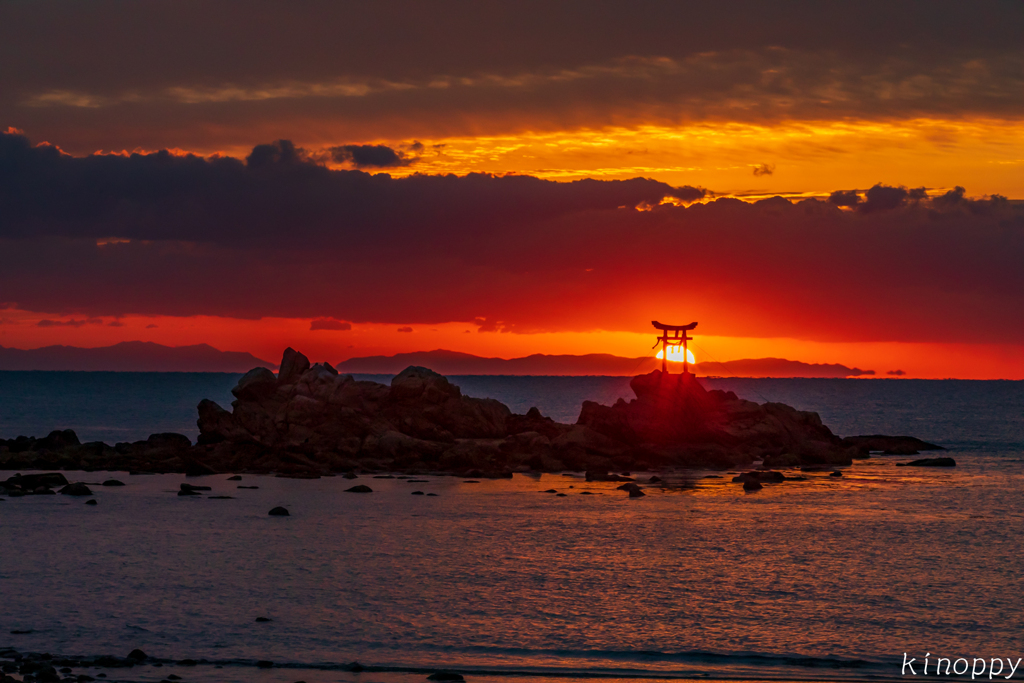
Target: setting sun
{"x":675,"y":355}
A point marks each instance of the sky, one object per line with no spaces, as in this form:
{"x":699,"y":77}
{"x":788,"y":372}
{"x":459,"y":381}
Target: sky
{"x":821,"y":181}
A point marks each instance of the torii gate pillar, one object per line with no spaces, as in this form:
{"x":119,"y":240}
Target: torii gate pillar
{"x":673,"y":335}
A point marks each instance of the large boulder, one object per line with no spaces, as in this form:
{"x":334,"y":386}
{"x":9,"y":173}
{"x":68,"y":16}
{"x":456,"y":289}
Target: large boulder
{"x":293,"y":366}
{"x":255,"y":385}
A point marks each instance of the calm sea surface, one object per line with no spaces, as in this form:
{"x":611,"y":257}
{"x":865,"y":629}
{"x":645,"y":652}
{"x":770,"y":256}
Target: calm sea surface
{"x":828,"y":579}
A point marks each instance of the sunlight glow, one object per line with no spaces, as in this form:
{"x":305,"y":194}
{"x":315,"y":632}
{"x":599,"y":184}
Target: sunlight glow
{"x":675,"y":355}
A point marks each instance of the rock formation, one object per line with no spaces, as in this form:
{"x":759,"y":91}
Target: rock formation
{"x":309,"y":420}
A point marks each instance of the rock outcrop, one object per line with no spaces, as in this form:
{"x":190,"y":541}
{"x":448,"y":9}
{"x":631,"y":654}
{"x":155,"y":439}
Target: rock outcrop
{"x":309,"y":420}
{"x":677,"y":421}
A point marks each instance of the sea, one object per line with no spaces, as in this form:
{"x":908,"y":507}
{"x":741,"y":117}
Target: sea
{"x":828,"y":579}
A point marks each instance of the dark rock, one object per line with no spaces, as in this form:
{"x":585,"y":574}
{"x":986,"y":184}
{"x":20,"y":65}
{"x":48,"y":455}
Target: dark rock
{"x":236,"y":477}
{"x":471,"y":481}
{"x":550,"y":491}
{"x":561,"y":495}
{"x":929,"y":462}
{"x":293,"y":366}
{"x":247,"y":487}
{"x":752,"y":486}
{"x":256,"y":385}
{"x":761,"y":476}
{"x":417,"y":493}
{"x":264,"y":664}
{"x":76,"y":489}
{"x":355,"y":667}
{"x":190,"y":487}
{"x":113,"y":482}
{"x":173,"y":677}
{"x":91,"y":501}
{"x":220,"y":498}
{"x":445,"y":676}
{"x":835,"y":474}
{"x":138,"y":655}
{"x":349,"y":475}
{"x":431,"y":494}
{"x":30,"y":482}
{"x":279,"y":512}
{"x":187,"y":662}
{"x":634,"y":490}
{"x":359,"y":488}
{"x":262,"y":620}
{"x":189,"y":492}
{"x":169,"y":441}
{"x":194,"y":468}
{"x":654,"y":480}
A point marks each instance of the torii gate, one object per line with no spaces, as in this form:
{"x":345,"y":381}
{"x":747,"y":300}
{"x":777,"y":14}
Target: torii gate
{"x":673,"y":335}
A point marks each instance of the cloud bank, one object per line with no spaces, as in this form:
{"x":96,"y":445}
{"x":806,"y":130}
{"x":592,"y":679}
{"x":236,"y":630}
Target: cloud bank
{"x":280,"y":235}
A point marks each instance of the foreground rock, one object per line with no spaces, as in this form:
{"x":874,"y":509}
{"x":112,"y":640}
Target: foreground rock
{"x":310,"y":421}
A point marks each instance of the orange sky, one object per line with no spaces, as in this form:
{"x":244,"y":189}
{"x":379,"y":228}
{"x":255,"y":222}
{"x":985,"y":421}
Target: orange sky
{"x":244,"y":250}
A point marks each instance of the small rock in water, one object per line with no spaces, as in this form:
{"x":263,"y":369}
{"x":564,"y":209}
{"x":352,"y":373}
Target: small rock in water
{"x":264,"y":664}
{"x":355,"y":667}
{"x":91,"y":502}
{"x":561,"y":495}
{"x":431,"y":494}
{"x":220,"y":498}
{"x":279,"y":512}
{"x":836,"y":474}
{"x":654,"y":480}
{"x":113,"y":482}
{"x":190,"y":487}
{"x":138,"y":655}
{"x":751,"y":485}
{"x":21,"y":632}
{"x":550,"y":491}
{"x":471,"y":481}
{"x":445,"y":676}
{"x":634,"y":491}
{"x":359,"y":488}
{"x":248,"y":487}
{"x":417,"y":493}
{"x":261,"y":620}
{"x":76,"y":489}
{"x":383,"y":476}
{"x":236,"y":477}
{"x":186,"y":662}
{"x":188,"y":492}
{"x":349,"y":475}
{"x":174,"y":677}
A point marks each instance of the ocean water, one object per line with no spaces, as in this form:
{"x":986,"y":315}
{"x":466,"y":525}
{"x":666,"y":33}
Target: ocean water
{"x":825,"y":579}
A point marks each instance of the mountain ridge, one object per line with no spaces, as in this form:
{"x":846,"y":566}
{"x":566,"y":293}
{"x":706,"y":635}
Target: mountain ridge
{"x":129,"y":356}
{"x":448,"y":362}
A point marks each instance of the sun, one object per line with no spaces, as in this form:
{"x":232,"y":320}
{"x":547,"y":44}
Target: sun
{"x":675,"y":355}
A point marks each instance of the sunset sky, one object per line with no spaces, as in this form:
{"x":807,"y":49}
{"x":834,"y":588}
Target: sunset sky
{"x":821,"y":181}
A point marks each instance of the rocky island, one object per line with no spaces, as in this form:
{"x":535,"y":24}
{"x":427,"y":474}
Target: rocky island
{"x":309,"y":420}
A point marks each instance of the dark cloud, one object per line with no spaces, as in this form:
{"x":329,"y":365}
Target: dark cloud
{"x":279,"y":235}
{"x":330,"y":324}
{"x":68,"y":323}
{"x":896,"y":373}
{"x":405,"y":329}
{"x":369,"y":156}
{"x":847,"y":198}
{"x":127,"y":78}
{"x":764,"y":169}
{"x":883,"y":198}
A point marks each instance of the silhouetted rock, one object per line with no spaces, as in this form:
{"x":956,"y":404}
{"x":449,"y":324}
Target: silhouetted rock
{"x":256,"y":385}
{"x":445,"y":676}
{"x":359,"y":488}
{"x":293,"y":366}
{"x":752,"y":486}
{"x":138,"y":655}
{"x":264,"y":664}
{"x":91,"y":501}
{"x":113,"y":482}
{"x":929,"y":462}
{"x":836,"y":474}
{"x":76,"y":489}
{"x":236,"y":477}
{"x":30,"y":482}
{"x":263,"y":620}
{"x":192,"y":487}
{"x":279,"y":512}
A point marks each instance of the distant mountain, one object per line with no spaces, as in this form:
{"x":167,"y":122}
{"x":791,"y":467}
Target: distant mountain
{"x":455,"y":363}
{"x":131,"y":357}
